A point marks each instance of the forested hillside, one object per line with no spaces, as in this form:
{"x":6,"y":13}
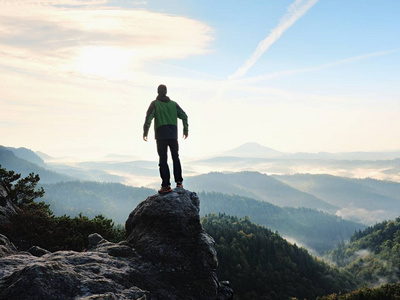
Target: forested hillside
{"x":260,"y":264}
{"x":373,"y":255}
{"x":36,"y":225}
{"x":312,"y":228}
{"x":384,"y":292}
{"x":112,"y":200}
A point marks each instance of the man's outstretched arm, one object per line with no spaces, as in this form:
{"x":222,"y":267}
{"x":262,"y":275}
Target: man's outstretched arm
{"x":147,"y":122}
{"x":183,"y":116}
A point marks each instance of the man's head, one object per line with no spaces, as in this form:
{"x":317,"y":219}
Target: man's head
{"x":162,"y":90}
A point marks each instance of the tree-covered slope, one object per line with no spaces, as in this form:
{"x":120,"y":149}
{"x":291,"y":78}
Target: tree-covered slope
{"x":384,"y":292}
{"x":260,"y":264}
{"x":114,"y":200}
{"x":373,"y":255}
{"x":34,"y":224}
{"x":311,"y":228}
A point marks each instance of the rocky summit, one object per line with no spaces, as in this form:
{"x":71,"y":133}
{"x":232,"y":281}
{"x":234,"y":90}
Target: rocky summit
{"x":166,"y":255}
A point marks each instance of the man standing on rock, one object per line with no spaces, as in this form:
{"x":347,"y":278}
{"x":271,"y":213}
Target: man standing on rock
{"x":166,"y":113}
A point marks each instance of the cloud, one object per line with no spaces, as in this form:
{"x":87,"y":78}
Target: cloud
{"x":38,"y":35}
{"x":362,"y":253}
{"x":294,"y":12}
{"x":53,"y":2}
{"x":362,"y":215}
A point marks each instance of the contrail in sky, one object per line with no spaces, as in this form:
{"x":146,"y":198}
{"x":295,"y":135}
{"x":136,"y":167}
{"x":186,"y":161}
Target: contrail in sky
{"x":320,"y":67}
{"x":294,"y":12}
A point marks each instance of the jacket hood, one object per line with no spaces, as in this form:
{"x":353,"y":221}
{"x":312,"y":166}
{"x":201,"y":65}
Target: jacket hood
{"x":163,"y":98}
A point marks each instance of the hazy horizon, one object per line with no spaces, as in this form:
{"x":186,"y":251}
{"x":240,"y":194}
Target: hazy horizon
{"x":143,"y":171}
{"x":153,"y":156}
{"x":294,"y":75}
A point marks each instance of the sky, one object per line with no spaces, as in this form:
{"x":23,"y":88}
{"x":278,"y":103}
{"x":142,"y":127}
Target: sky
{"x":77,"y":76}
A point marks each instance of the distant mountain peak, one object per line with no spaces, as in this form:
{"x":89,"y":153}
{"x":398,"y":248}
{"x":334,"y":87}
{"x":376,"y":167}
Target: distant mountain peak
{"x":253,"y":149}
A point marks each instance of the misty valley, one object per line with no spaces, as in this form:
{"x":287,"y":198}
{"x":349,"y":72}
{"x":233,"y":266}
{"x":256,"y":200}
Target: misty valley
{"x":285,"y":225}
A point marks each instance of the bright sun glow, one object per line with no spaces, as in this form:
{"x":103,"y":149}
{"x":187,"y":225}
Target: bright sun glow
{"x":108,"y":62}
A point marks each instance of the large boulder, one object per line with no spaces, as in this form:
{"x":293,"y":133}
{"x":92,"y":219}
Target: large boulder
{"x":107,"y":271}
{"x":166,"y":230}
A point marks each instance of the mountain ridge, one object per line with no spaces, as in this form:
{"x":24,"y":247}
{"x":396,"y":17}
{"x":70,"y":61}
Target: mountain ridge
{"x":258,"y":186}
{"x":377,"y":199}
{"x":10,"y":161}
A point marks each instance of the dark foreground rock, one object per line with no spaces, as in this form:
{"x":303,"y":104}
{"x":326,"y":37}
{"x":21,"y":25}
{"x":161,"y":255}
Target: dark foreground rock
{"x":6,"y":247}
{"x":166,"y":230}
{"x":7,"y":208}
{"x":167,"y":255}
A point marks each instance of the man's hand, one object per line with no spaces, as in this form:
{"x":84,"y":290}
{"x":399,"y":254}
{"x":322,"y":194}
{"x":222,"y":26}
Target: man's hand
{"x":145,"y":138}
{"x":185,"y":136}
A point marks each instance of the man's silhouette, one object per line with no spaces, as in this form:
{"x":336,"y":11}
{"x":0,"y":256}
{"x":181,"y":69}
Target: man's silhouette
{"x":166,"y":113}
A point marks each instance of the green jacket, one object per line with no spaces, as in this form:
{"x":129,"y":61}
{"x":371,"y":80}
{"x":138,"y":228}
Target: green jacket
{"x":166,"y":113}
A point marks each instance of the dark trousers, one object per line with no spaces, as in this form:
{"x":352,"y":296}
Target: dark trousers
{"x":162,"y":149}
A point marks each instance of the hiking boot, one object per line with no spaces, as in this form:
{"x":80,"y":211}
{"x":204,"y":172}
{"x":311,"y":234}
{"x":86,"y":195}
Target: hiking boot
{"x":165,"y":190}
{"x":179,"y":184}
